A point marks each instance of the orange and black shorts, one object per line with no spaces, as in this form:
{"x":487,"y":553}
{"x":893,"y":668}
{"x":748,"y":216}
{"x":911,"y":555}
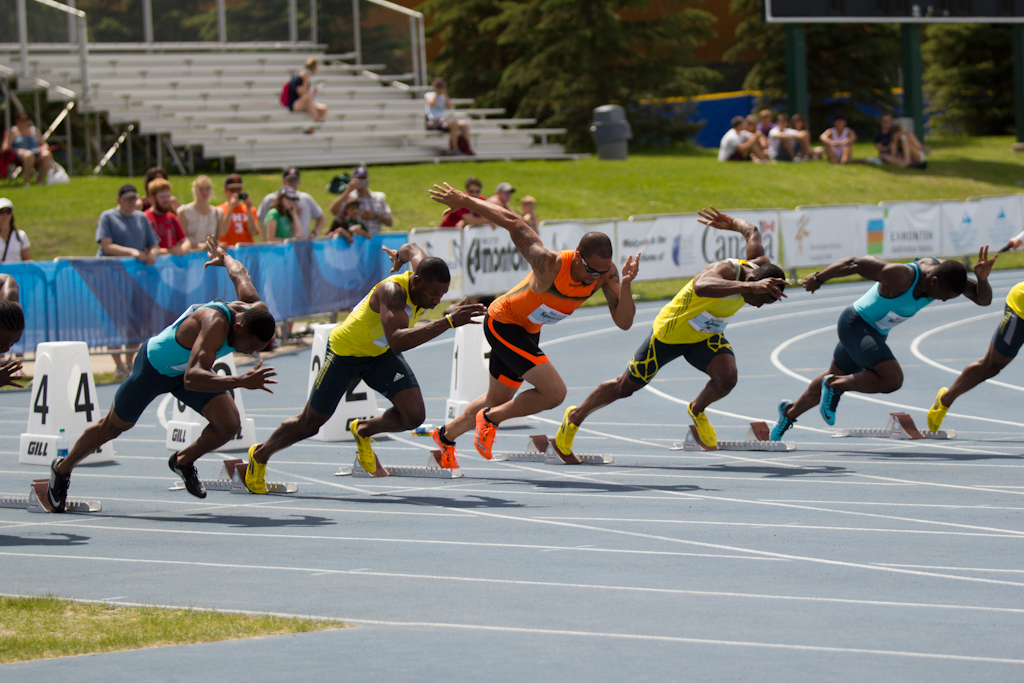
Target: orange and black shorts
{"x":514,"y":351}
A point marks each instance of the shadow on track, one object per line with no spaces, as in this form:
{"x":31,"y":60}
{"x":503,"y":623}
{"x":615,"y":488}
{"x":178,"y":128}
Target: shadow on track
{"x":67,"y":540}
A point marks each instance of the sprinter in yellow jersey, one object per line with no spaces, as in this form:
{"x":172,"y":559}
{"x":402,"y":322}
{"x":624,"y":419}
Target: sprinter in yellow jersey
{"x":368,"y":346}
{"x":1005,"y":345}
{"x":691,"y":326}
{"x":559,"y":284}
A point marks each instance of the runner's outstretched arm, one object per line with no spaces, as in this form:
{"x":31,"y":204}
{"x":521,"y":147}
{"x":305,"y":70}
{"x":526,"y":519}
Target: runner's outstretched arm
{"x":543,"y":261}
{"x":236,"y":271}
{"x":391,"y":298}
{"x":719,"y":280}
{"x":980,"y":292}
{"x":8,"y":288}
{"x":619,"y":294}
{"x":721,"y":221}
{"x":896,"y":276}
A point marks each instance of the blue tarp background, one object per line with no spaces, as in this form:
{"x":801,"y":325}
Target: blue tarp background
{"x":108,"y":301}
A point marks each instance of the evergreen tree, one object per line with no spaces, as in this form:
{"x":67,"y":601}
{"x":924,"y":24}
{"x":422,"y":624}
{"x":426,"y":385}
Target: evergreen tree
{"x":968,"y":77}
{"x":556,"y":60}
{"x":860,"y":60}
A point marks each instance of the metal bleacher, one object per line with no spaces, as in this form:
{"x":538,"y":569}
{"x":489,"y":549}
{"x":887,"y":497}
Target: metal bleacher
{"x":228,"y":104}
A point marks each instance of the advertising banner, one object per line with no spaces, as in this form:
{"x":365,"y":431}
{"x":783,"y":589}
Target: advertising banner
{"x":447,"y":245}
{"x":562,"y":235}
{"x":969,"y":225}
{"x":903,"y":230}
{"x":816,"y":235}
{"x":493,"y":265}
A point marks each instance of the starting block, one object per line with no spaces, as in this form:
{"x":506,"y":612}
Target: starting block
{"x":758,"y":439}
{"x":900,"y":426}
{"x":232,"y":478}
{"x":36,"y":500}
{"x":541,"y":448}
{"x":433,"y":470}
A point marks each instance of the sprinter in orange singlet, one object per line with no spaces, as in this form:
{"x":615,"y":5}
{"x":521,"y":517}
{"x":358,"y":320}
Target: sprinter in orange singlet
{"x":559,"y":284}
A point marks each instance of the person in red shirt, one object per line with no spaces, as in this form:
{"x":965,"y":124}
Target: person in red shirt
{"x":161,"y":216}
{"x":460,"y":218}
{"x":239,"y":223}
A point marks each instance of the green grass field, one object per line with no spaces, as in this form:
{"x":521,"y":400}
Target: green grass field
{"x":61,"y":220}
{"x":46,"y":627}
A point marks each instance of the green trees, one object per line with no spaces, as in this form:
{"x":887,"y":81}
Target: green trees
{"x":555,"y":60}
{"x":968,"y":77}
{"x":859,"y":60}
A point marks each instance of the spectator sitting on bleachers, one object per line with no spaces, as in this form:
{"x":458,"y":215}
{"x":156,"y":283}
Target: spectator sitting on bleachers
{"x":13,"y":242}
{"x":839,"y":141}
{"x":303,"y":98}
{"x":347,"y":223}
{"x":437,"y":119}
{"x":308,"y":209}
{"x":373,"y":206}
{"x":238,"y":224}
{"x":32,"y":151}
{"x":283,"y":217}
{"x":198,"y":219}
{"x":740,"y":144}
{"x":460,"y":218}
{"x":146,"y":202}
{"x":172,"y":236}
{"x":529,"y":212}
{"x":125,"y":232}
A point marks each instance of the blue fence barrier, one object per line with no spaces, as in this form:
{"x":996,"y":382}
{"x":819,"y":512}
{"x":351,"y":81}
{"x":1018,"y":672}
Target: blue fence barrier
{"x":108,"y":301}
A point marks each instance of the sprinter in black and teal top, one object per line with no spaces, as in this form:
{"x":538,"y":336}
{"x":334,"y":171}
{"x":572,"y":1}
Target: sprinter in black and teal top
{"x":862,"y":360}
{"x":179,"y":361}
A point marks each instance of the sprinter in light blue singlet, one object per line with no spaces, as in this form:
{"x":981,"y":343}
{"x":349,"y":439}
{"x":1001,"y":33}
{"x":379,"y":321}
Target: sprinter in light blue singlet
{"x":862,"y":360}
{"x":179,"y":361}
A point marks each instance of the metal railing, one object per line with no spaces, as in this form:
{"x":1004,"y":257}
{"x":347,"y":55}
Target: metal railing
{"x":377,"y":32}
{"x":39,"y":28}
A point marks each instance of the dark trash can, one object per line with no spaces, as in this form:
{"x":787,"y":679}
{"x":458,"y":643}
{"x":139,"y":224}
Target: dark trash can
{"x":611,"y":132}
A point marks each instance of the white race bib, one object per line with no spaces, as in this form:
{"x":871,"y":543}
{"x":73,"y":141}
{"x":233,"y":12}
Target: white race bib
{"x":545,"y":315}
{"x":705,"y":323}
{"x":889,"y":321}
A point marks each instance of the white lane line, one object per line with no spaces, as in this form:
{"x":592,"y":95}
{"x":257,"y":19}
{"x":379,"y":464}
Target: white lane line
{"x":800,"y":337}
{"x":543,"y":584}
{"x":958,"y":569}
{"x":915,"y":348}
{"x":887,"y":503}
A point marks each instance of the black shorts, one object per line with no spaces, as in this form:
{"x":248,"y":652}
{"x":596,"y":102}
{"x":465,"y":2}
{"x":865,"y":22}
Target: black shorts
{"x":387,"y":374}
{"x":514,"y":351}
{"x":860,"y":345}
{"x":1009,"y":335}
{"x":437,"y":124}
{"x":145,"y":384}
{"x":654,"y":353}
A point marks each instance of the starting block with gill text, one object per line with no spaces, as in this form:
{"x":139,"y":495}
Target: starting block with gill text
{"x":900,"y":426}
{"x":358,"y":403}
{"x":470,"y":376}
{"x":63,"y":396}
{"x":758,"y":439}
{"x":186,"y":425}
{"x":232,"y":477}
{"x":541,"y":448}
{"x":36,"y":501}
{"x":433,"y":470}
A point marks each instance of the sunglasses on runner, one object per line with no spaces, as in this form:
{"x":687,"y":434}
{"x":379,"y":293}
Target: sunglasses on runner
{"x":591,"y":271}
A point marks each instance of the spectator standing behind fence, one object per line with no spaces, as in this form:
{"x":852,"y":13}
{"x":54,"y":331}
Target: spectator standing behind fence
{"x":146,"y":202}
{"x":172,"y":236}
{"x":126,"y":232}
{"x":308,"y":209}
{"x":438,"y":119}
{"x":299,"y":96}
{"x":32,"y":151}
{"x":283,"y":217}
{"x":347,"y":224}
{"x":198,"y":219}
{"x":503,"y":196}
{"x":238,"y":226}
{"x":839,"y":141}
{"x":14,"y":244}
{"x":373,"y":206}
{"x":460,"y":218}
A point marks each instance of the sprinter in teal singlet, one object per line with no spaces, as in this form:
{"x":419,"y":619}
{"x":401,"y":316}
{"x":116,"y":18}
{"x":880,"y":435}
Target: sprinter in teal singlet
{"x":179,"y":361}
{"x":862,"y":360}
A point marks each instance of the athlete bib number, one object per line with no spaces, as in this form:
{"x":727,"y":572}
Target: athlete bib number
{"x":545,"y":315}
{"x":890,"y":320}
{"x":705,"y":323}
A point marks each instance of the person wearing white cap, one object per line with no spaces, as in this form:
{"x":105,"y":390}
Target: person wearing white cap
{"x":14,"y":244}
{"x":502,"y":196}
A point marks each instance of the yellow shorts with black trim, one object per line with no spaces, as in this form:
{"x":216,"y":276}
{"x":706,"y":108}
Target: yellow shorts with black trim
{"x":654,"y":353}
